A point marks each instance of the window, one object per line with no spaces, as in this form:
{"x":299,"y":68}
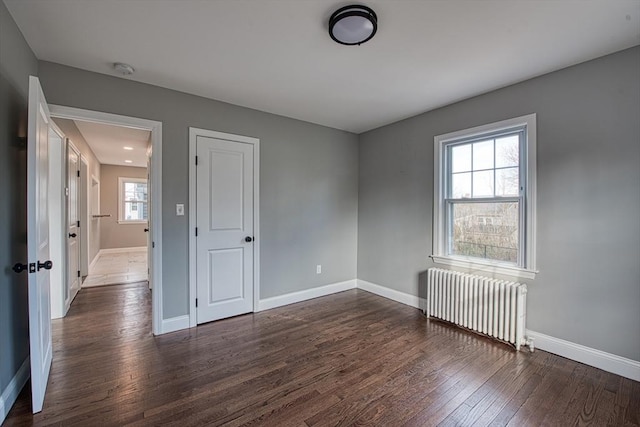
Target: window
{"x":132,"y":200}
{"x":484,"y":197}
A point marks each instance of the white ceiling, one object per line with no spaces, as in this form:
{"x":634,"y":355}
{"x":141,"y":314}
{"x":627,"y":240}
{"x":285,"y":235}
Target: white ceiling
{"x":277,"y":56}
{"x":108,"y":142}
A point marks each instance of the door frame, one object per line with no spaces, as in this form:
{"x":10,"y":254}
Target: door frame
{"x":193,"y":292}
{"x":58,"y":223}
{"x":155,"y":128}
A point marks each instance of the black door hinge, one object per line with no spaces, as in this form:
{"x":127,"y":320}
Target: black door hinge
{"x":196,"y":231}
{"x":78,"y":273}
{"x":153,"y":244}
{"x":196,"y":160}
{"x":78,"y":223}
{"x":196,"y":302}
{"x":78,"y":174}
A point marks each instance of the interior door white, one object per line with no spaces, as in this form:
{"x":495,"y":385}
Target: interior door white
{"x":83,"y":217}
{"x":224,"y":221}
{"x":73,"y":210}
{"x":149,"y":229}
{"x":38,"y":243}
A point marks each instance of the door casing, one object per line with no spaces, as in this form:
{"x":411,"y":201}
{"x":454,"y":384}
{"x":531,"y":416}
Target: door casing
{"x":193,"y":134}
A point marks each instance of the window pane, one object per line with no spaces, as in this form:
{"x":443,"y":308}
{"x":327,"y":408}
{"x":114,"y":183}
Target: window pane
{"x":485,"y":230}
{"x":507,"y":182}
{"x":483,"y":155}
{"x":134,"y":191}
{"x":461,"y":158}
{"x":135,"y":211}
{"x":461,"y":185}
{"x":483,"y":184}
{"x":507,"y":151}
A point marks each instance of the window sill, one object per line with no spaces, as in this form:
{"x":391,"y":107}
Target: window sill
{"x":474,"y":266}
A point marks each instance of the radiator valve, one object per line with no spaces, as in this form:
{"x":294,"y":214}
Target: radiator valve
{"x":529,"y":342}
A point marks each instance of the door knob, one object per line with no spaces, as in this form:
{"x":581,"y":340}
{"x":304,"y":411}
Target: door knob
{"x":146,"y":230}
{"x":19,"y":268}
{"x":248,"y":239}
{"x":73,"y":235}
{"x":47,"y":265}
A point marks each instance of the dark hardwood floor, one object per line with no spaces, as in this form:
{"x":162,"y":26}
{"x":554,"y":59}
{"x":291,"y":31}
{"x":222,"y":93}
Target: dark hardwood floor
{"x":351,"y":358}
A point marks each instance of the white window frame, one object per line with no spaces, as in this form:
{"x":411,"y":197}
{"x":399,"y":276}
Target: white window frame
{"x":527,"y":265}
{"x":121,"y":218}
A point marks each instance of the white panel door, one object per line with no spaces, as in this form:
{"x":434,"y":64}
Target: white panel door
{"x":38,"y":243}
{"x":224,"y":220}
{"x":73,"y":232}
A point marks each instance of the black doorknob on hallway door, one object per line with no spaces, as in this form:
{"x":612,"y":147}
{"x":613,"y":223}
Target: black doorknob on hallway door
{"x":47,"y":265}
{"x":73,"y":235}
{"x":248,"y":239}
{"x":146,"y":230}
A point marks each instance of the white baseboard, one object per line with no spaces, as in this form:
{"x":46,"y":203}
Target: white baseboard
{"x":175,"y":324}
{"x":94,"y":261}
{"x":13,"y":389}
{"x":286,"y":299}
{"x":121,"y":250}
{"x":392,"y":294}
{"x":589,"y":356}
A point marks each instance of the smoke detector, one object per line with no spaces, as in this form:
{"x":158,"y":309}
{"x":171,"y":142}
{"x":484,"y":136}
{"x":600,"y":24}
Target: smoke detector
{"x":124,"y":69}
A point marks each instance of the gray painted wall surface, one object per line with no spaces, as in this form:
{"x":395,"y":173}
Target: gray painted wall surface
{"x":588,"y":240}
{"x":308,"y":179}
{"x":72,"y":132}
{"x":112,"y":234}
{"x":17,"y":62}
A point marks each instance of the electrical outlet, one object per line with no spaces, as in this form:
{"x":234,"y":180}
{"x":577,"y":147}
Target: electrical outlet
{"x":179,"y":209}
{"x":318,"y":269}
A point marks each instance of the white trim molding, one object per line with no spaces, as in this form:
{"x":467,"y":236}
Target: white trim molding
{"x":193,"y":135}
{"x":307,"y":294}
{"x":175,"y":324}
{"x":13,"y":389}
{"x":472,"y":267}
{"x":589,"y":356}
{"x":155,"y":168}
{"x":392,"y":294}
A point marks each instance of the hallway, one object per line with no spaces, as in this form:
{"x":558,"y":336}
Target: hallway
{"x":126,"y":266}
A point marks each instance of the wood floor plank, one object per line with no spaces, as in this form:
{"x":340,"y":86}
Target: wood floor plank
{"x":351,"y":358}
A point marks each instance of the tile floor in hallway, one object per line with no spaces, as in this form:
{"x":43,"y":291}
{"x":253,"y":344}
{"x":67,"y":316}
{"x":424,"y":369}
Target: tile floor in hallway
{"x":116,"y":268}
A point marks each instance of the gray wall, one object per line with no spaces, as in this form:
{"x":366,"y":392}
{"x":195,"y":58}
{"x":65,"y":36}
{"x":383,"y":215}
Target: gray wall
{"x":308,"y":180}
{"x":72,"y":132}
{"x":17,"y":62}
{"x":114,"y":235}
{"x":588,"y":240}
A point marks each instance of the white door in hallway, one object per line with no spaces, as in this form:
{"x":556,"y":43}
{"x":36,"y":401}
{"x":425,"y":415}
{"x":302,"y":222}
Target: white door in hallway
{"x":38,"y":242}
{"x":224,"y":221}
{"x":73,"y":211}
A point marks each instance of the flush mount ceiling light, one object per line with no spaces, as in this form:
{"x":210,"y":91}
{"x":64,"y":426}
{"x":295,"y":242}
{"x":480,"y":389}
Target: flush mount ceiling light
{"x":124,"y":69}
{"x":128,"y":161}
{"x":353,"y":25}
{"x":128,"y":148}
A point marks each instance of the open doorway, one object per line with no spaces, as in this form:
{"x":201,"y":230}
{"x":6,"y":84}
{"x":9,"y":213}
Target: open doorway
{"x":118,"y":208}
{"x":118,"y":220}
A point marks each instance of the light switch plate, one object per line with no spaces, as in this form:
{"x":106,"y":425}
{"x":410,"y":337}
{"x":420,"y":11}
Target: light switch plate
{"x":179,"y":209}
